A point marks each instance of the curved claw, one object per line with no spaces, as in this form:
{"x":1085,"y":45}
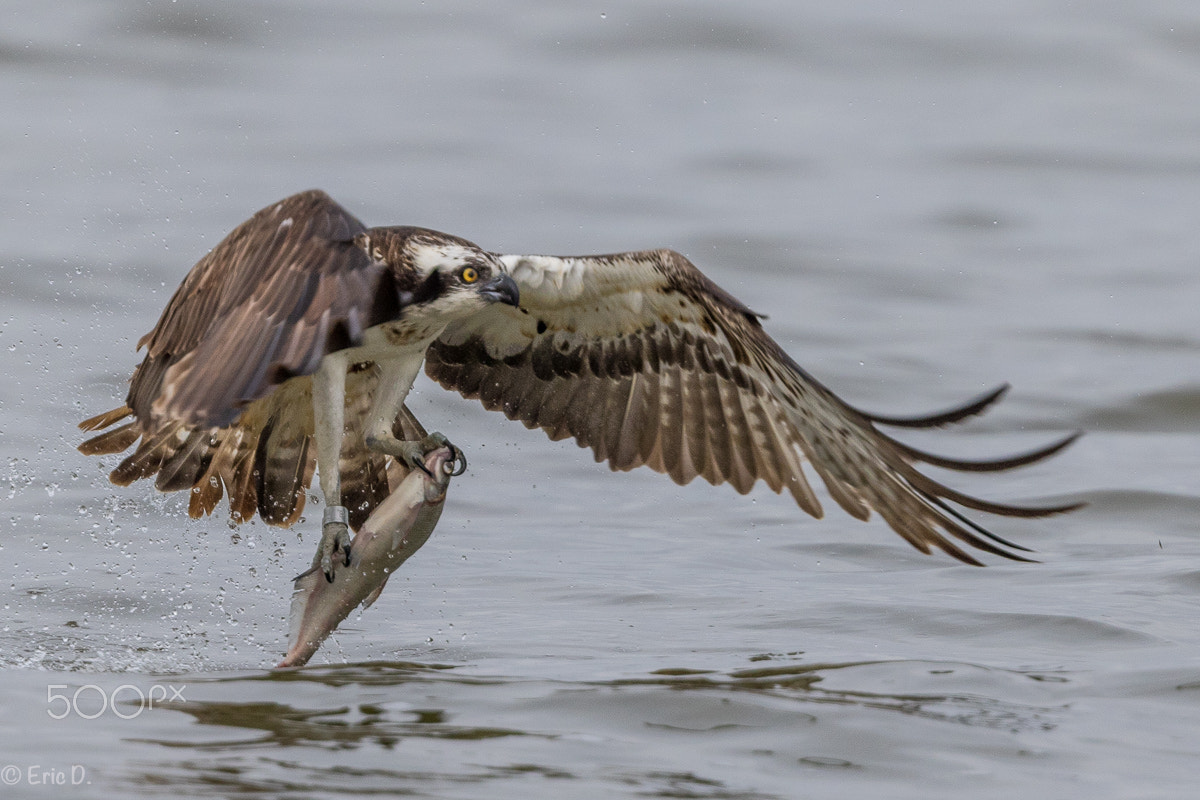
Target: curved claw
{"x":335,"y":535}
{"x":327,"y":557}
{"x":458,"y":462}
{"x":419,"y":463}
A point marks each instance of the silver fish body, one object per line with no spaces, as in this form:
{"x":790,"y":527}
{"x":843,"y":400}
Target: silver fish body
{"x":394,"y":531}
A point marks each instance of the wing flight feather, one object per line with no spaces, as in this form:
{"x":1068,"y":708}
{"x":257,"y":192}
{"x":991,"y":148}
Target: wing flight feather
{"x":222,"y":403}
{"x":646,"y":361}
{"x":278,"y":293}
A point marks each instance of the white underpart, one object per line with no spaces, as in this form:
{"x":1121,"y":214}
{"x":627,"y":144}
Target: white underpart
{"x":609,"y":298}
{"x":560,"y":278}
{"x":554,"y":281}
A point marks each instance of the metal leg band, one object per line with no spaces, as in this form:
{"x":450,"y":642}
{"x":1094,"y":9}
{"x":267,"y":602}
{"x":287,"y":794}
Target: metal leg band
{"x":335,"y":514}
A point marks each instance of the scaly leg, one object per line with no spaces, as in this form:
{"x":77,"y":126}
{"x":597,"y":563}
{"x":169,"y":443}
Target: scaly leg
{"x":329,"y":398}
{"x":329,"y":418}
{"x":394,"y":385}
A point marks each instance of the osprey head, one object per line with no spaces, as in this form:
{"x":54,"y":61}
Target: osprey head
{"x":436,"y":273}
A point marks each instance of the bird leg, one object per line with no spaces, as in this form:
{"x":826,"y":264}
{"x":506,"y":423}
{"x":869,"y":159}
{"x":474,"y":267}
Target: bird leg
{"x":394,"y":384}
{"x":412,"y":454}
{"x":329,"y":419}
{"x":329,"y":423}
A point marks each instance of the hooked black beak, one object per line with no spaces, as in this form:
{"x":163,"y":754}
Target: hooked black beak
{"x":501,"y":289}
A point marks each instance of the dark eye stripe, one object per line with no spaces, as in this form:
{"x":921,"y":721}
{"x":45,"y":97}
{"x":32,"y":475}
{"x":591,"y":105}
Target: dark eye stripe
{"x":429,"y":289}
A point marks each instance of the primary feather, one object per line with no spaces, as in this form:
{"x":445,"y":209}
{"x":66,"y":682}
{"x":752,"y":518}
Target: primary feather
{"x":643,"y":359}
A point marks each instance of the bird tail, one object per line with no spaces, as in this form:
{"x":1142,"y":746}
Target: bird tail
{"x":264,"y":461}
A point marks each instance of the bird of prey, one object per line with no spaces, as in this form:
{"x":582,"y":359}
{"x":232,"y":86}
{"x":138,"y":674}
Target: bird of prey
{"x":293,"y":343}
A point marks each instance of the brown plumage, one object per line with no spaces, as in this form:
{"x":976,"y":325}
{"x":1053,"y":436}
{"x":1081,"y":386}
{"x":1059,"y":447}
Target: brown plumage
{"x":222,"y":402}
{"x":646,"y":361}
{"x":638,"y":356}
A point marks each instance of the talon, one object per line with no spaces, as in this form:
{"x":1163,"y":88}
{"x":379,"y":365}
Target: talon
{"x":327,"y":566}
{"x":435,"y":440}
{"x":324,"y":562}
{"x":458,"y":462}
{"x":335,"y":535}
{"x":419,"y":463}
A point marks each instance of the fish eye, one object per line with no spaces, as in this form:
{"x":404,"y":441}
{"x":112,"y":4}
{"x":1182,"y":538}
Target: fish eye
{"x":469,"y":274}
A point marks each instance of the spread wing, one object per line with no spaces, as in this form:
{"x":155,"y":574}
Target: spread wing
{"x":645,"y":360}
{"x":279,"y":292}
{"x":222,"y":402}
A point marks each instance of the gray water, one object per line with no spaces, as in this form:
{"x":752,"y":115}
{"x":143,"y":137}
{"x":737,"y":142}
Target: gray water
{"x":926,"y":198}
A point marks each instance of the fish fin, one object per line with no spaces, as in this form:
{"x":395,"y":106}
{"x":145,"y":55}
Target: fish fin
{"x":374,"y":595}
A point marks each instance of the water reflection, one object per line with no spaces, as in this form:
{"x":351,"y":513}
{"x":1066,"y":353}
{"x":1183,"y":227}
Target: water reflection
{"x":278,"y":724}
{"x":315,"y":717}
{"x":404,"y":727}
{"x":341,"y":726}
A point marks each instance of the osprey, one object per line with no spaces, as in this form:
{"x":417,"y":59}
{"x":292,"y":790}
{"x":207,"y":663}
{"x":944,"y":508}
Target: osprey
{"x":293,"y":344}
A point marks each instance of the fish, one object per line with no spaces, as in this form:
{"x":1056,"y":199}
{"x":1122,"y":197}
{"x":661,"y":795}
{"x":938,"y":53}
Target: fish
{"x":394,"y":531}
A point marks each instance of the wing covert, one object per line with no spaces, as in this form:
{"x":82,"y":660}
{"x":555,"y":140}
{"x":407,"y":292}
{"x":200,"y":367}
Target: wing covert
{"x":280,"y":291}
{"x":646,"y":361}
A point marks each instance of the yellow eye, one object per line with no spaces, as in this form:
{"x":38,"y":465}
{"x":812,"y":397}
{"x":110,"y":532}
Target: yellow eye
{"x":469,"y":275}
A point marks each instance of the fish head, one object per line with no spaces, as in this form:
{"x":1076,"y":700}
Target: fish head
{"x":441,"y":464}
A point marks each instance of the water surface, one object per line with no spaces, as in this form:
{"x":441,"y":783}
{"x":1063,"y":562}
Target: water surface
{"x":925,"y":201}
